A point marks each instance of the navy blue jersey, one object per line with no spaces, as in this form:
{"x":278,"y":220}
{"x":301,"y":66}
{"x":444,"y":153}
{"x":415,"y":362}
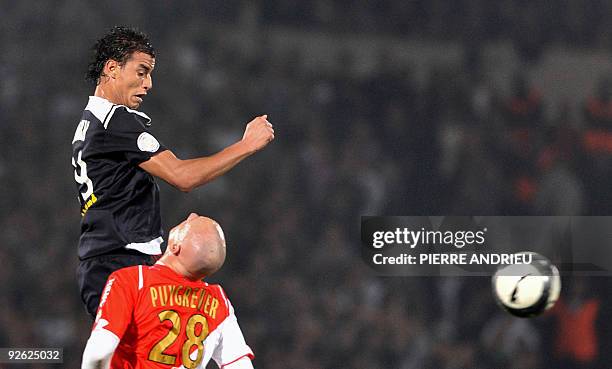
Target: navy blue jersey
{"x":119,"y":200}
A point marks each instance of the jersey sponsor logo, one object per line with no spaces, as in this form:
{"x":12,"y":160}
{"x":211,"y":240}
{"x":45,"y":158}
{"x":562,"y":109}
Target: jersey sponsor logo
{"x":146,"y":142}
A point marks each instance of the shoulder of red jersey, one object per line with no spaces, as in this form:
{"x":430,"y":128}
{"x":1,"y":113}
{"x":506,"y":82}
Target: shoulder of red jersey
{"x":223,"y":296}
{"x":129,"y":276}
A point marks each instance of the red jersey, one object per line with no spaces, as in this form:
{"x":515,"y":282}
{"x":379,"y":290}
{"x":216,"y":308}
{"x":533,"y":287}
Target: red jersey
{"x":165,"y":320}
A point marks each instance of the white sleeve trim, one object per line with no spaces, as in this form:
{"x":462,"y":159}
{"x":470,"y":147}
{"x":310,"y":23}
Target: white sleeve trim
{"x":99,"y":350}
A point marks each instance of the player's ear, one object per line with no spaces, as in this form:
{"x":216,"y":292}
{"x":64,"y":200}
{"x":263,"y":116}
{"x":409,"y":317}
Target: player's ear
{"x":192,"y":216}
{"x":111,"y":68}
{"x":175,"y":248}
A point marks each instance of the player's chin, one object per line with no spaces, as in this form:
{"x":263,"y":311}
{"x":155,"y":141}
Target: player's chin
{"x":135,"y":102}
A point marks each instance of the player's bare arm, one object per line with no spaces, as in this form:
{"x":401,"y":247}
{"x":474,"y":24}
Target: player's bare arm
{"x":188,"y":174}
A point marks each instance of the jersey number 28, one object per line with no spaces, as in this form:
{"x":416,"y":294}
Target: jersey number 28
{"x":193,"y":339}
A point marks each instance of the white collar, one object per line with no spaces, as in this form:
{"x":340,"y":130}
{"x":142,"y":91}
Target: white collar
{"x":103,"y":110}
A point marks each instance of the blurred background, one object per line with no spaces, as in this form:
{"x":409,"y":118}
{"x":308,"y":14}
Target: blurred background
{"x":420,"y":107}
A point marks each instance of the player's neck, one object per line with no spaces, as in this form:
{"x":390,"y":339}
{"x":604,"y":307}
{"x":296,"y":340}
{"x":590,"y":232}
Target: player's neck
{"x":178,"y":267}
{"x":103,"y":90}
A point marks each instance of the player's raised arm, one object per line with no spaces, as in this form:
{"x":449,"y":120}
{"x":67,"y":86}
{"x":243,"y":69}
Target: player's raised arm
{"x":191,"y":173}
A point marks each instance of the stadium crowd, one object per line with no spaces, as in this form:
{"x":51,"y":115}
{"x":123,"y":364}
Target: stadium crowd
{"x":346,"y":146}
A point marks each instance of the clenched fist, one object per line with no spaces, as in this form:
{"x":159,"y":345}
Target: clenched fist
{"x":258,"y":133}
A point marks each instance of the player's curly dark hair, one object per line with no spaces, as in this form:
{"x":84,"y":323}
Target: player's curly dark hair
{"x":118,"y":44}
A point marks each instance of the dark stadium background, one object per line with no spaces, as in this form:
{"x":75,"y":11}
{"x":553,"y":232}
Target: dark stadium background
{"x":380,"y":108}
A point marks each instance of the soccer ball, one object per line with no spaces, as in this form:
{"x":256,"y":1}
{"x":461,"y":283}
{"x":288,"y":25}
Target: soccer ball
{"x":529,"y":289}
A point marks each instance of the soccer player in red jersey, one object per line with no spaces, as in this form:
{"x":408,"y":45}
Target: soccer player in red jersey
{"x":165,"y":316}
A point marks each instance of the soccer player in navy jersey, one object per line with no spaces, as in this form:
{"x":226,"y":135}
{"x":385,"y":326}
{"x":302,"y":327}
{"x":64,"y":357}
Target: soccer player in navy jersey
{"x":116,"y":160}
